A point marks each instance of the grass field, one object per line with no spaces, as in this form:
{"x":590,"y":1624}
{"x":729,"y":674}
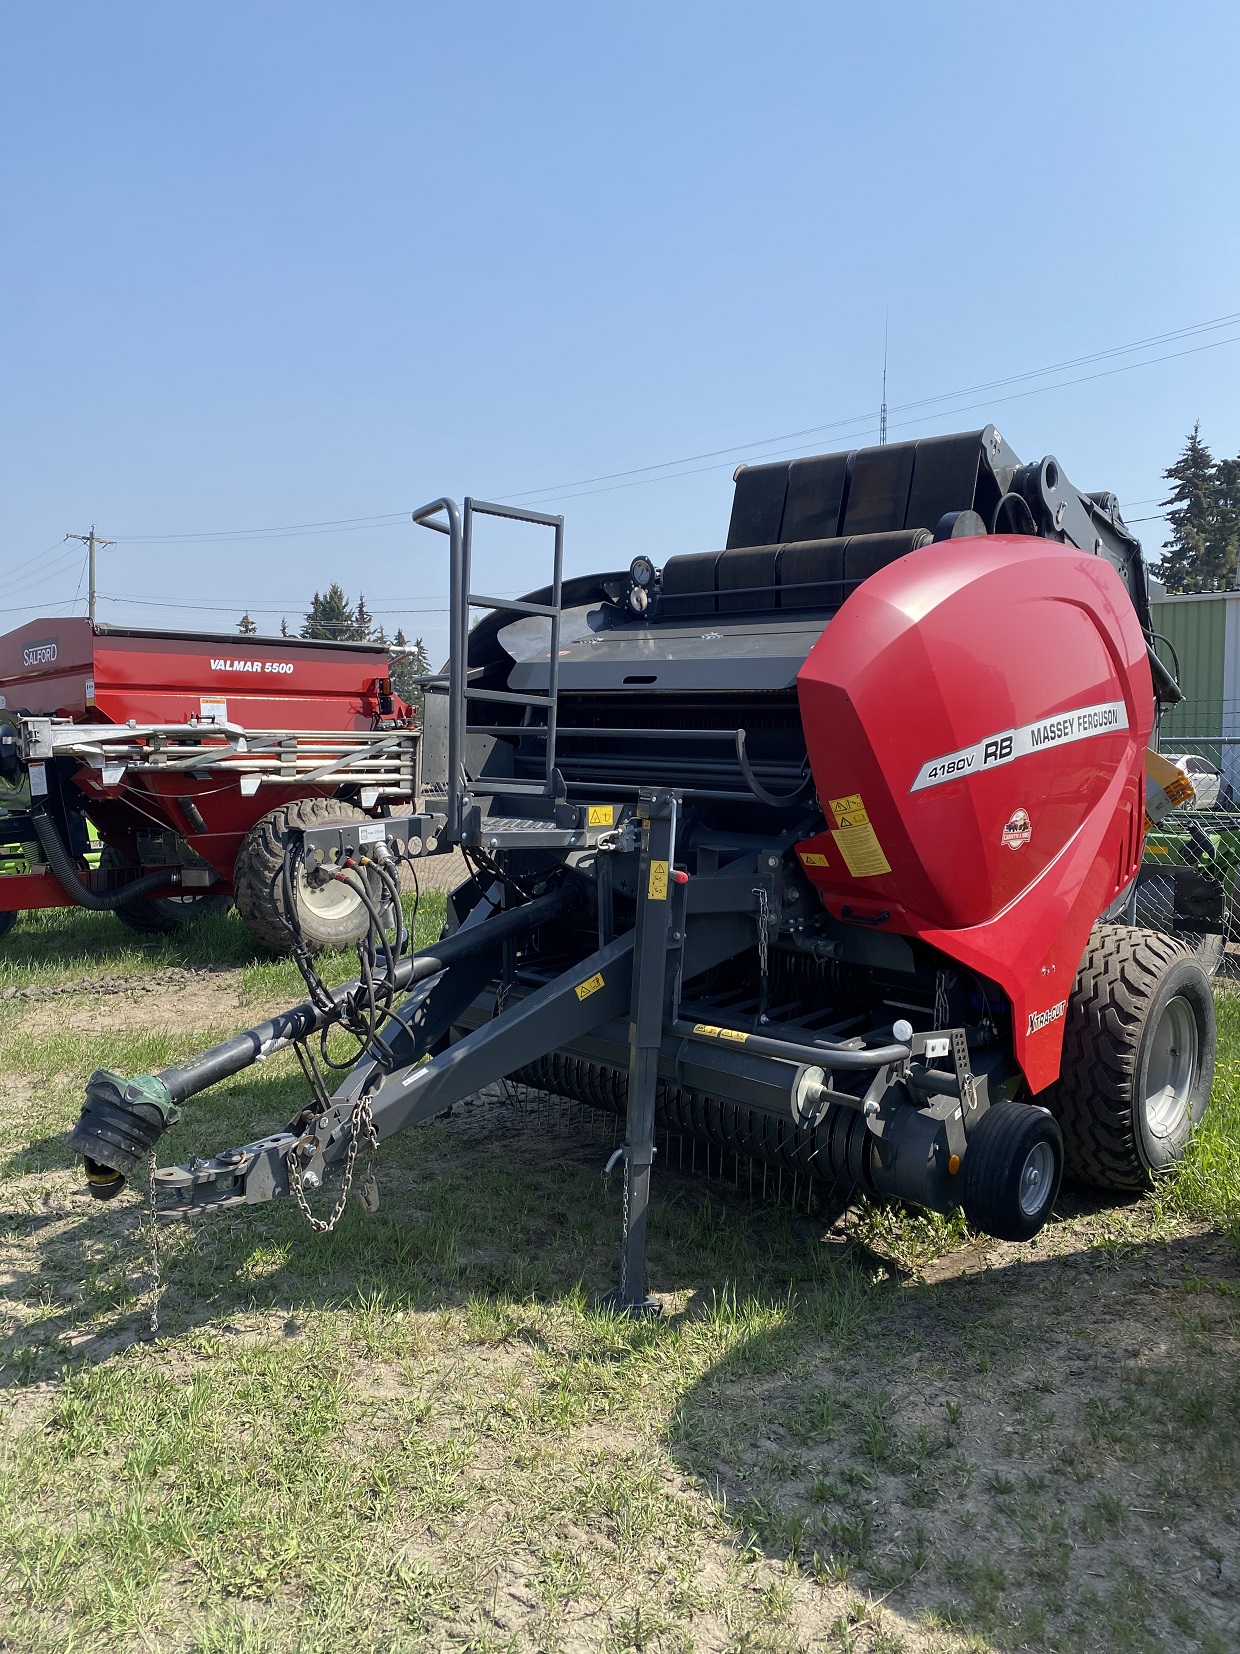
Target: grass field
{"x":419,"y":1432}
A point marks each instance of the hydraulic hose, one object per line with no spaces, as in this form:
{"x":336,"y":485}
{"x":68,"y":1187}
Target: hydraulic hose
{"x":69,"y":875}
{"x":823,"y":1053}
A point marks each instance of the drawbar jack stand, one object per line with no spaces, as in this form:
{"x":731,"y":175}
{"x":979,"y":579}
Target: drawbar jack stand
{"x":646,"y":1022}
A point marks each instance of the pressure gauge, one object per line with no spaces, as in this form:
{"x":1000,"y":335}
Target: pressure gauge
{"x":639,"y":600}
{"x":641,"y":572}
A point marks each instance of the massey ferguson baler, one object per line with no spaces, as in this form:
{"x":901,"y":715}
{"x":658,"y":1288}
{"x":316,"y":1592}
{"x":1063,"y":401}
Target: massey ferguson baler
{"x":821,"y":848}
{"x":193,"y":757}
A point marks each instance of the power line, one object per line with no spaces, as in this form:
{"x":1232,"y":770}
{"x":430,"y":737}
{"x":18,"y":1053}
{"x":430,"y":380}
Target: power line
{"x":904,"y":407}
{"x":50,"y":572}
{"x":925,"y":419}
{"x":389,"y":518}
{"x":394,"y":519}
{"x":254,"y":609}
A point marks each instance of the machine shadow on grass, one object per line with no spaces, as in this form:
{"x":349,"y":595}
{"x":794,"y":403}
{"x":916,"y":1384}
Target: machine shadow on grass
{"x":73,"y":939}
{"x":1044,"y":1452}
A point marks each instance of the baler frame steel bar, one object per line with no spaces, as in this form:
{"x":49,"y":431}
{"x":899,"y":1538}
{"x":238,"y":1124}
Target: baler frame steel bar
{"x":232,"y":1055}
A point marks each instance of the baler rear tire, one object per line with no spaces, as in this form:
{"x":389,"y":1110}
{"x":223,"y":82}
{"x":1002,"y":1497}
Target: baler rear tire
{"x":1141,"y":1008}
{"x":258,"y":880}
{"x":1013,"y":1167}
{"x":162,"y":915}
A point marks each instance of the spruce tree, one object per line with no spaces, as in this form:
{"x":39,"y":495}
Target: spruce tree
{"x":1225,"y":523}
{"x":330,"y":616}
{"x":363,"y":622}
{"x":246,"y":626}
{"x":406,"y":664}
{"x":1189,"y":562}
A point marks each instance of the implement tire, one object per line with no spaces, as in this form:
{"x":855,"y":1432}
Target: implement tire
{"x":329,"y":916}
{"x":162,"y":915}
{"x":1138,"y":1058}
{"x":7,"y":921}
{"x":1012,"y":1169}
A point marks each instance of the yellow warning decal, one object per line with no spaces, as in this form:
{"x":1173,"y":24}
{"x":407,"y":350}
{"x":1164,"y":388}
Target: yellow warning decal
{"x":657,"y":890}
{"x":850,"y":812}
{"x":862,"y":853}
{"x":583,"y":990}
{"x":720,"y":1033}
{"x":813,"y":858}
{"x":600,"y":815}
{"x":856,"y":839}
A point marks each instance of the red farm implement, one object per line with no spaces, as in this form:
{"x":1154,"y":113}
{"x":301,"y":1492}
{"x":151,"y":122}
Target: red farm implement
{"x":193,"y":760}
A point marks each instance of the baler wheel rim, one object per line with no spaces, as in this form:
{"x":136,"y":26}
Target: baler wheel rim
{"x":1175,"y":1056}
{"x":1122,"y":1127}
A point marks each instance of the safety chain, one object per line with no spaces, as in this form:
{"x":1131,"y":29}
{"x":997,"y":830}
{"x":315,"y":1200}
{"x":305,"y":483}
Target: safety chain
{"x":361,"y":1120}
{"x":624,"y":1232}
{"x":941,"y":1009}
{"x":153,"y":1236}
{"x":622,"y":1154}
{"x":764,"y":910}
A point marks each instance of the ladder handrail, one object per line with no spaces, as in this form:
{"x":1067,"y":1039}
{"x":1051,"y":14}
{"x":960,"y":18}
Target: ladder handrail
{"x":457,"y":583}
{"x":445,"y":517}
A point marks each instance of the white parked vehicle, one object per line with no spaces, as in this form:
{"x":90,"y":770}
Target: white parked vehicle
{"x":1207,"y":778}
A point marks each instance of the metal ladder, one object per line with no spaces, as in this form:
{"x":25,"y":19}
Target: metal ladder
{"x":443,"y":516}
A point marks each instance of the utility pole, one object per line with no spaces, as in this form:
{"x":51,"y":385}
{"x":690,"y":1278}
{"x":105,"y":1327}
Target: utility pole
{"x":882,"y":412}
{"x":92,"y":540}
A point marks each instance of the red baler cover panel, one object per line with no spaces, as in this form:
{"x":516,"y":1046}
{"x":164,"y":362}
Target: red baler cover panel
{"x":977,"y":715}
{"x":65,"y":668}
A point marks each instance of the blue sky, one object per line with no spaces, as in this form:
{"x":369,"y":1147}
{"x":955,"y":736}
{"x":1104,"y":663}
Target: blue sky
{"x":283,"y":264}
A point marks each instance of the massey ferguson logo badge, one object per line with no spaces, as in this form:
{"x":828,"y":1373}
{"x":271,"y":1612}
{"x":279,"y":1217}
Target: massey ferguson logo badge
{"x":1042,"y":1019}
{"x":1007,"y":745}
{"x":41,"y":654}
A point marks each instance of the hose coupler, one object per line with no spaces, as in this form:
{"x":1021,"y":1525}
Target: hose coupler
{"x":120,"y":1123}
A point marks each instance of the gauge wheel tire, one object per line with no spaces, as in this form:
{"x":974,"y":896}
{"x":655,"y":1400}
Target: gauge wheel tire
{"x":161,"y":915}
{"x":1013,"y":1167}
{"x":1154,"y":909}
{"x":7,"y":921}
{"x":327,"y":916}
{"x":1138,"y":1058}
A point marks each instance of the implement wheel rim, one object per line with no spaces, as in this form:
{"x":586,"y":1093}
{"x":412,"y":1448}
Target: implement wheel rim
{"x":332,"y":900}
{"x":1037,"y":1179}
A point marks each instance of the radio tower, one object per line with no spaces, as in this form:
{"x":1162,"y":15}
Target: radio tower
{"x":882,"y":412}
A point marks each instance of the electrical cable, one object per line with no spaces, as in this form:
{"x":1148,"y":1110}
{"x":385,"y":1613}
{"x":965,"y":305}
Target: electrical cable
{"x":372,"y":1003}
{"x":50,"y":571}
{"x":901,"y":407}
{"x":395,"y":519}
{"x":899,"y":424}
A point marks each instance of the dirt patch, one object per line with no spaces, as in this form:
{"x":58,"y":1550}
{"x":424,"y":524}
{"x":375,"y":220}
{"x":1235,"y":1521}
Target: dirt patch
{"x":184,"y":999}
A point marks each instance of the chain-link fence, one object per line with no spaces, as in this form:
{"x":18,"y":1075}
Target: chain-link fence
{"x":1190,"y":884}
